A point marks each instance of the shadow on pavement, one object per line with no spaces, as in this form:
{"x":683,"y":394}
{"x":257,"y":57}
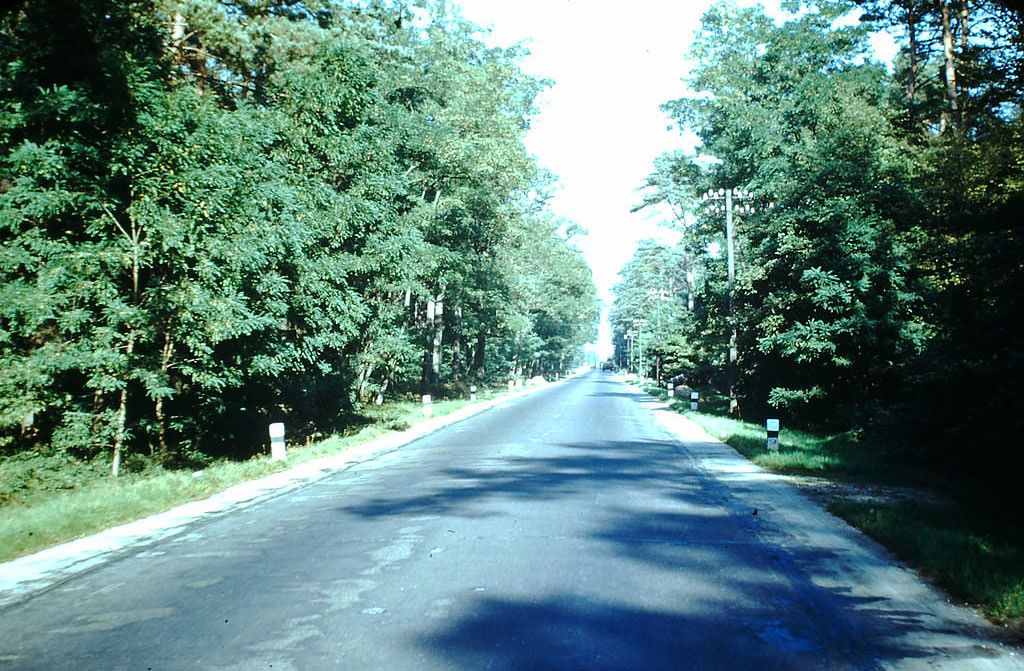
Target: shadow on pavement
{"x":560,"y":474}
{"x":747,"y":606}
{"x":566,"y":632}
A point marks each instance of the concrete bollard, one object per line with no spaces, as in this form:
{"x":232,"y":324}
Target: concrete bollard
{"x":472,"y":393}
{"x":428,"y":405}
{"x":671,"y":390}
{"x":772,"y":427}
{"x":277,"y":448}
{"x":694,"y":399}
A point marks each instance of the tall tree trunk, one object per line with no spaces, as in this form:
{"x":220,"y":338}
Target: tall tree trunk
{"x":427,"y":382}
{"x":734,"y":403}
{"x":965,"y":29}
{"x":158,"y":408}
{"x":689,"y":277}
{"x":952,"y":94}
{"x":912,"y":56}
{"x":177,"y":45}
{"x":161,"y":428}
{"x":383,"y":390}
{"x":97,"y":407}
{"x":134,"y":235}
{"x":435,"y":336}
{"x":435,"y":354}
{"x":457,"y":358}
{"x":479,"y":355}
{"x":366,"y":368}
{"x":122,"y":414}
{"x":458,"y":371}
{"x":363,"y":379}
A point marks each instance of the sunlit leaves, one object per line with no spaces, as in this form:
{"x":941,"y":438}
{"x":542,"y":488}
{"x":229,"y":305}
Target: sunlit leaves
{"x":215,"y":212}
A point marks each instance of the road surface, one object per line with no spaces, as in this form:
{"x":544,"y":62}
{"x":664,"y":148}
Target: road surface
{"x":581,"y":527}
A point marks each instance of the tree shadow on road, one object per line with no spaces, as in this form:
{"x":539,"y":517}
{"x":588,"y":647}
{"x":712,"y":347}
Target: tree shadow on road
{"x":758,"y":611}
{"x":567,"y":470}
{"x":569,"y":633}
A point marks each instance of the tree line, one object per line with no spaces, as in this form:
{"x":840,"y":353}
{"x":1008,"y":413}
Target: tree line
{"x":219,"y":213}
{"x":876,"y":226}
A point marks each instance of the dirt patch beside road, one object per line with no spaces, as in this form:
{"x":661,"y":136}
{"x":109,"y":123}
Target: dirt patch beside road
{"x":827,"y":491}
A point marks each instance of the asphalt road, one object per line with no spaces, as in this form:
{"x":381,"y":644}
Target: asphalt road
{"x":581,"y":527}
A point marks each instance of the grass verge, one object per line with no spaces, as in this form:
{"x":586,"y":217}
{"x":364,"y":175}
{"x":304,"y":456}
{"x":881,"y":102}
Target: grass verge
{"x":802,"y":452}
{"x":48,"y":500}
{"x":976,"y":555}
{"x":976,"y":559}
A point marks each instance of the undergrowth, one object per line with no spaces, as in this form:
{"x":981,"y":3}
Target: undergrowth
{"x":51,"y":497}
{"x":975,"y":558}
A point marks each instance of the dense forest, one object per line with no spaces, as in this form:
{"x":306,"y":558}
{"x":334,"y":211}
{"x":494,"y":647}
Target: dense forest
{"x":219,"y":213}
{"x":850,"y":231}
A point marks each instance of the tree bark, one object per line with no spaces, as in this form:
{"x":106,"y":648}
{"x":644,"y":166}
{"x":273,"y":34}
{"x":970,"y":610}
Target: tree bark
{"x":479,"y":355}
{"x":134,"y":235}
{"x":365,"y":374}
{"x":158,"y":407}
{"x":122,"y":414}
{"x":964,"y":27}
{"x":435,"y":354}
{"x":952,"y":94}
{"x":689,"y":279}
{"x":912,"y":54}
{"x":177,"y":45}
{"x":435,"y":336}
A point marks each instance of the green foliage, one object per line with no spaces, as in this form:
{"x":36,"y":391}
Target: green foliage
{"x":557,"y":300}
{"x":878,"y":257}
{"x":219,"y":214}
{"x":655,"y":289}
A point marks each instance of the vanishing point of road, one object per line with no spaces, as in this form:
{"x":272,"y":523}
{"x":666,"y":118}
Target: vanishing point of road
{"x":583,"y":527}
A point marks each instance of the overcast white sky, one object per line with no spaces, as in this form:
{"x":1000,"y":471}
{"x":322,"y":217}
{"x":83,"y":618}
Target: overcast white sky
{"x":613,"y":63}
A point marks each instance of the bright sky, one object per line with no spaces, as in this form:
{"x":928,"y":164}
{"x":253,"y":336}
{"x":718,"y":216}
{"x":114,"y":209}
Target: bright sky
{"x":599,"y":128}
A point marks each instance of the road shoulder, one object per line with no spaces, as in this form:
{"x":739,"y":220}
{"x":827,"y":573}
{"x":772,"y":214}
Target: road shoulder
{"x":28,"y":575}
{"x":922,"y":627}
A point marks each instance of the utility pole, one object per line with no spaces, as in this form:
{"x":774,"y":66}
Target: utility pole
{"x":659,"y":295}
{"x":640,"y":324}
{"x":729,"y":195}
{"x":730,"y":234}
{"x":630,"y":338}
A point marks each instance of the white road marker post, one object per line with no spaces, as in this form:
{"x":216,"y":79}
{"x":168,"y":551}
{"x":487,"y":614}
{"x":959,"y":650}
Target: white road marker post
{"x":472,"y":393}
{"x":694,"y":399}
{"x":428,"y":405}
{"x":277,"y":448}
{"x":772,"y":426}
{"x":511,"y":386}
{"x":671,"y":389}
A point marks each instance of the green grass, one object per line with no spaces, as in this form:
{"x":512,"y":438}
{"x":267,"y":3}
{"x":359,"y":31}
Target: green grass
{"x":801,"y":452}
{"x":976,"y":554}
{"x":47,"y":499}
{"x":974,"y":558}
